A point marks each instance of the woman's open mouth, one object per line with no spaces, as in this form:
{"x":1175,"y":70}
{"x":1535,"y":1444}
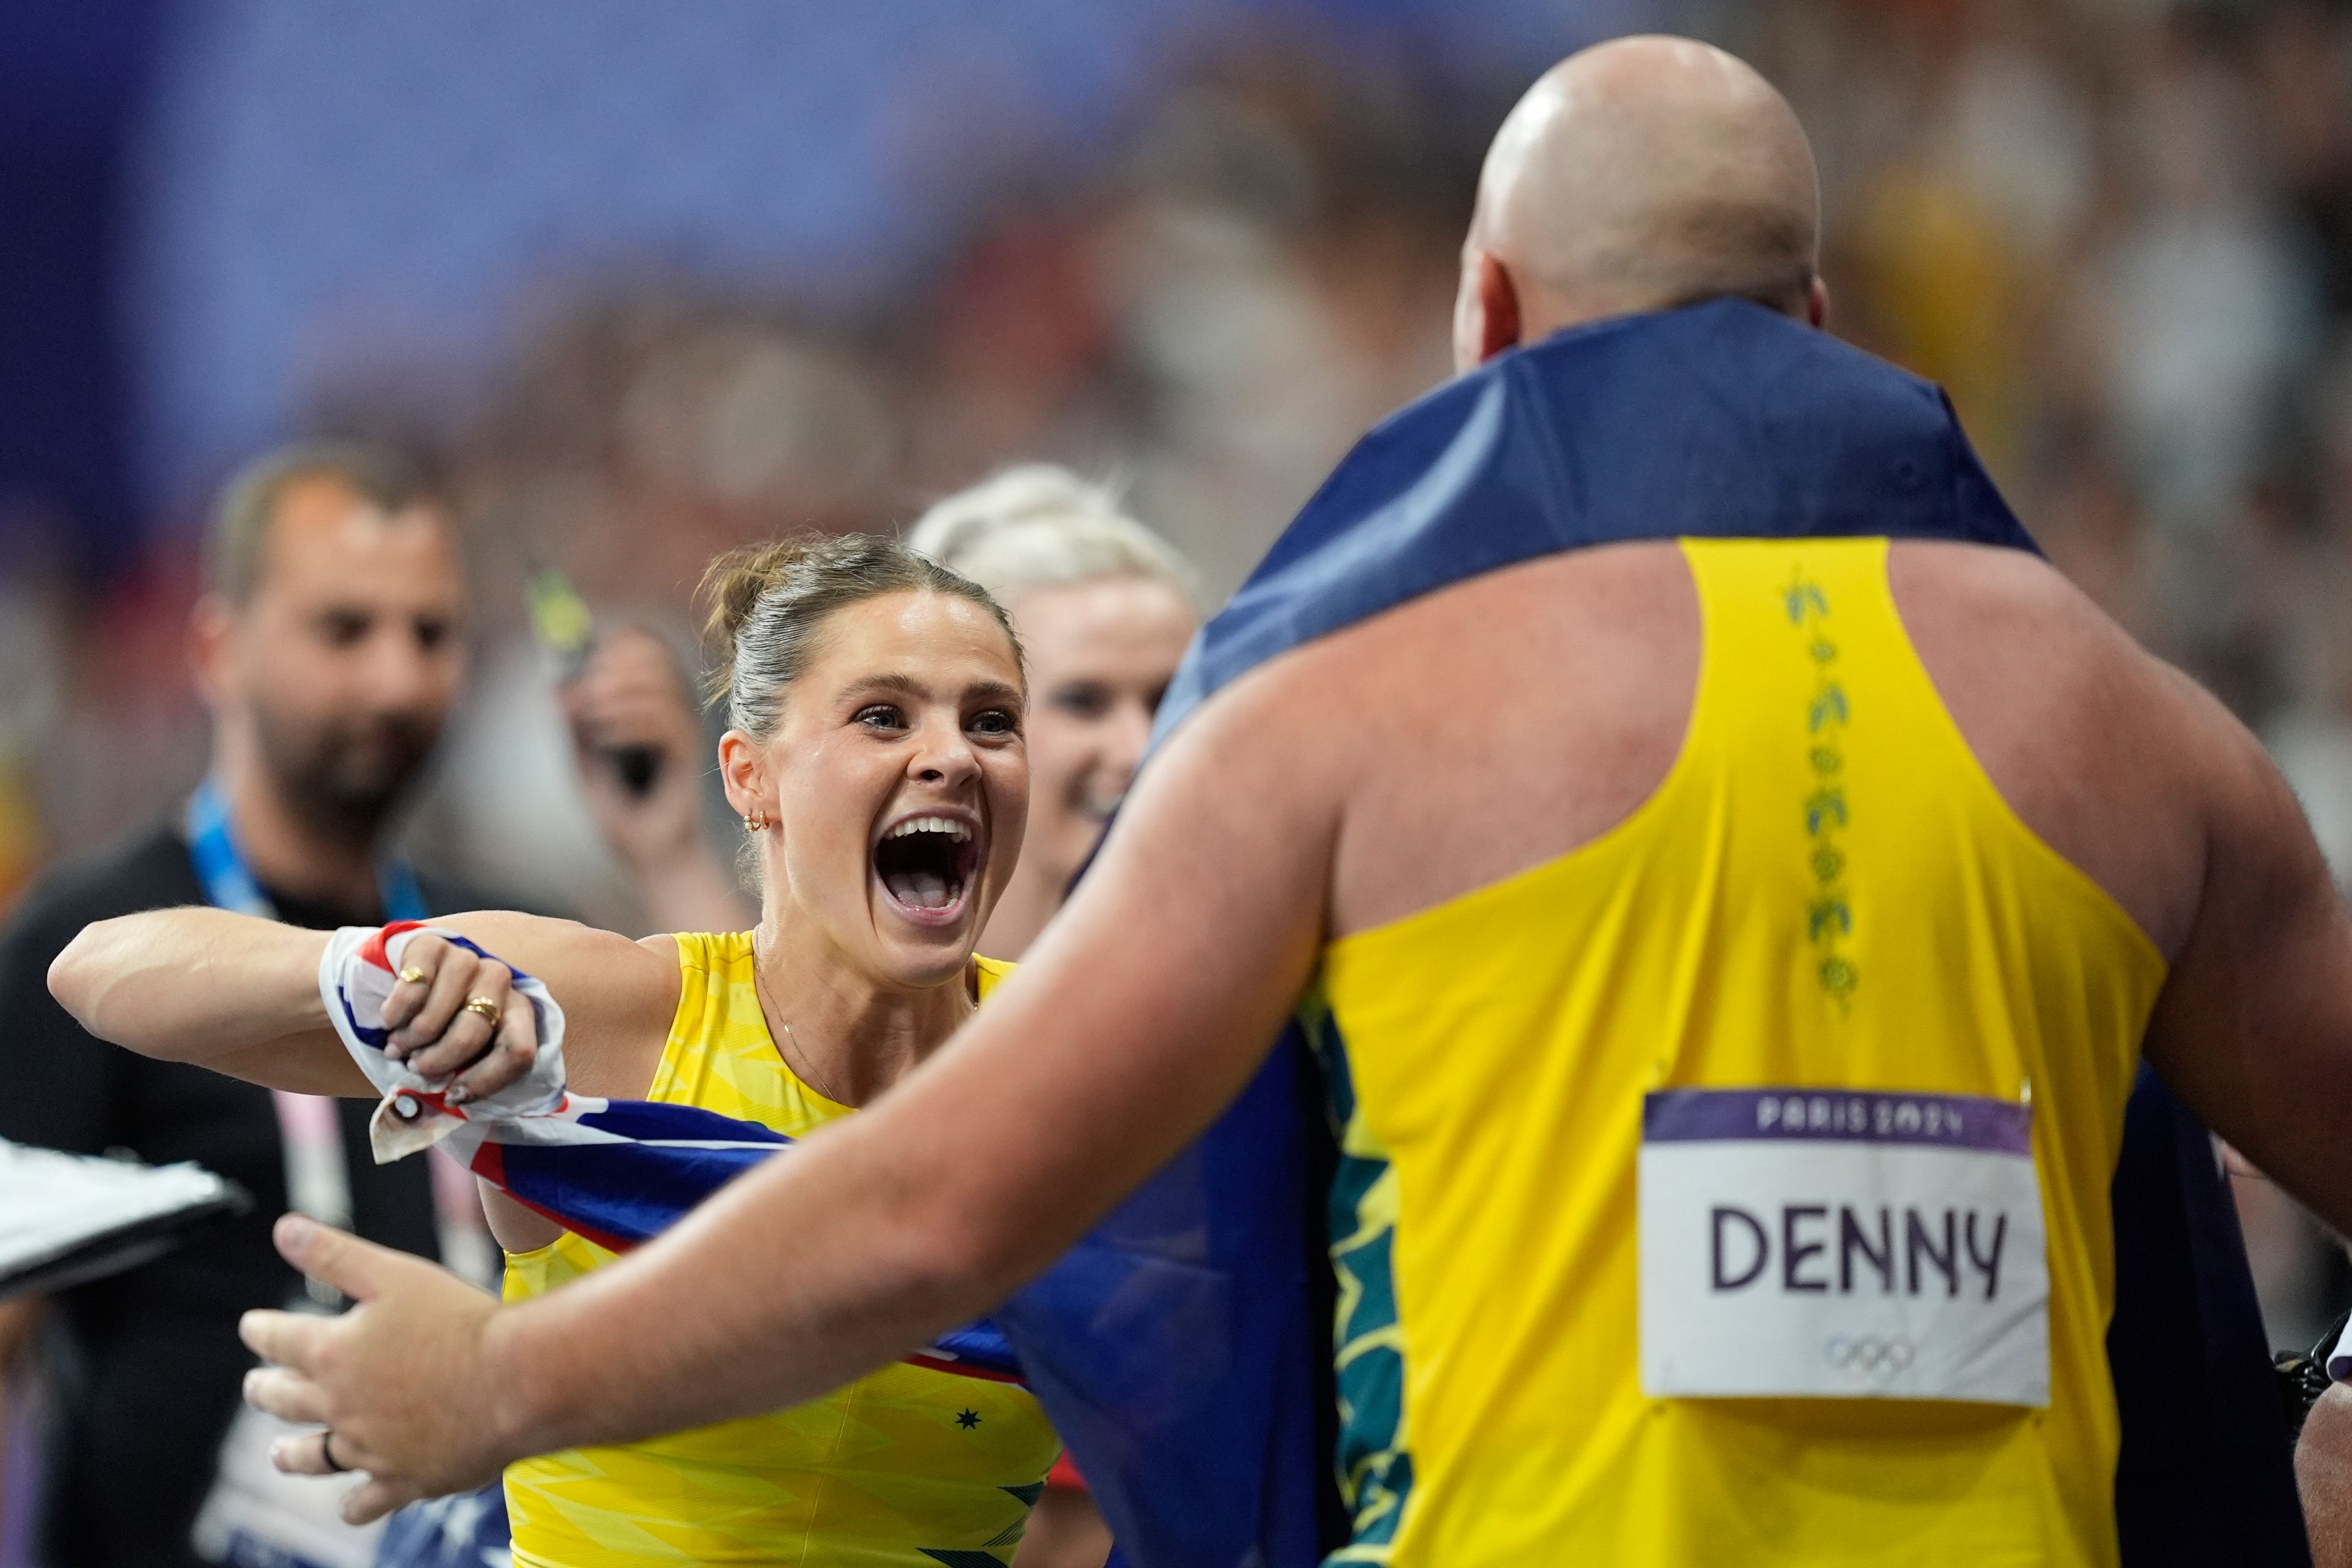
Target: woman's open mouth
{"x":926,"y":865}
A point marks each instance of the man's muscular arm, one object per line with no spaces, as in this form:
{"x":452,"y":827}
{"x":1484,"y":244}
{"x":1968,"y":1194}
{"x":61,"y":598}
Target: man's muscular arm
{"x":2254,"y":1028}
{"x":1141,"y":1014}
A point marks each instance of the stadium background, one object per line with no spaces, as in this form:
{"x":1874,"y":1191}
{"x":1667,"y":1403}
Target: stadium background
{"x":650,"y":280}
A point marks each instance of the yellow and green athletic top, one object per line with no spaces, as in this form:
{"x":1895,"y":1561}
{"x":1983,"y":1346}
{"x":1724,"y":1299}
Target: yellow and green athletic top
{"x":1734,"y":1188}
{"x":908,"y":1467}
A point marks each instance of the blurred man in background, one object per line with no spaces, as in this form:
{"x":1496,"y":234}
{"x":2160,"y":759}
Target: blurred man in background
{"x":328,"y":645}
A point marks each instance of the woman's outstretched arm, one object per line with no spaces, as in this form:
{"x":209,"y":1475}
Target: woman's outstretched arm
{"x":202,"y":985}
{"x":240,"y":995}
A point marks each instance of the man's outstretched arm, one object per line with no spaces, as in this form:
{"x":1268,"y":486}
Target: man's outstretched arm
{"x":1142,"y":1013}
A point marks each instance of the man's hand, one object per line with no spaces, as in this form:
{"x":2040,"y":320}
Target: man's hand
{"x":632,"y":697}
{"x":403,"y":1382}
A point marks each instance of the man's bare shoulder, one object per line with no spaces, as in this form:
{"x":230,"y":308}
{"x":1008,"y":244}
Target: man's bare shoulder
{"x":1981,"y":591}
{"x":1481,"y":640}
{"x":2109,"y":754}
{"x":1509,"y":719}
{"x":1472,"y":732}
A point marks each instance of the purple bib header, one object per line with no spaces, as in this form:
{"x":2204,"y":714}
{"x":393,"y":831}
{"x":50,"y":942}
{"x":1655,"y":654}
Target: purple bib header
{"x":1843,"y":1115}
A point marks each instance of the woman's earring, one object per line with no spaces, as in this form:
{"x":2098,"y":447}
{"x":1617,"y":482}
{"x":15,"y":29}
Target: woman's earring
{"x":757,"y":821}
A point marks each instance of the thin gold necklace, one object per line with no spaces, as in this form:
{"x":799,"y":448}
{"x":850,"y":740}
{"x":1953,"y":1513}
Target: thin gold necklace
{"x":803,"y":1066}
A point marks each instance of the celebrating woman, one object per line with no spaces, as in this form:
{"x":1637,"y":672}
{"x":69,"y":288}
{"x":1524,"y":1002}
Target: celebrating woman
{"x":877,"y":757}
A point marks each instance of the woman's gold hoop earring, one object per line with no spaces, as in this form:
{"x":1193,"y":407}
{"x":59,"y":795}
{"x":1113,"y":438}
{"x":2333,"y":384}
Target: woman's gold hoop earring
{"x":757,"y":821}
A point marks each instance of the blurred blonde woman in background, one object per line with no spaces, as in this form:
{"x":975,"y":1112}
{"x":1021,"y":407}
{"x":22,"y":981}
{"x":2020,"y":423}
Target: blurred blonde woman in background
{"x":1104,"y":608}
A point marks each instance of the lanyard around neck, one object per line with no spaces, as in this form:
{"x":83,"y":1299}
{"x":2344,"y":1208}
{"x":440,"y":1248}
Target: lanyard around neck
{"x":318,"y":1184}
{"x":229,"y":882}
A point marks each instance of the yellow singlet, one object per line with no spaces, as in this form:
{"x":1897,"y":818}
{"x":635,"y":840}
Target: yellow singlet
{"x":907,"y":1469}
{"x":1826,"y":895}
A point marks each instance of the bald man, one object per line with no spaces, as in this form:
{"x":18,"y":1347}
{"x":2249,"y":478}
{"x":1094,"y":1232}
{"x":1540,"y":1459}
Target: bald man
{"x":1728,"y":957}
{"x":1638,"y":176}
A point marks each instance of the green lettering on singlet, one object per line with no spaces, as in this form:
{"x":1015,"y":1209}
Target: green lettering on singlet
{"x":1828,"y":913}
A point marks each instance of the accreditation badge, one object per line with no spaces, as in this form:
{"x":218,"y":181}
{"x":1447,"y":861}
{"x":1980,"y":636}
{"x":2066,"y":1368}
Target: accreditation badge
{"x":1819,"y":1244}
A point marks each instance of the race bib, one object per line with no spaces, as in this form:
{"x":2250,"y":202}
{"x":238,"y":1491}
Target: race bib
{"x":1840,"y":1245}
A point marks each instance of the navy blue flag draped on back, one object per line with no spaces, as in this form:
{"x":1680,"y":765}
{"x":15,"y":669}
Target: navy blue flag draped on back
{"x":1182,"y":1348}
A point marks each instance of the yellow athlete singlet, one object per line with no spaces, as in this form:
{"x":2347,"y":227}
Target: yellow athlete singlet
{"x":908,"y":1467}
{"x":1734,"y":1189}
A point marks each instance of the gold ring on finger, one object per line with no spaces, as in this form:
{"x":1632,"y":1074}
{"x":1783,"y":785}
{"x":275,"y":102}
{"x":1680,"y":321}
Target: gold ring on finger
{"x":412,"y":975}
{"x":484,"y":1008}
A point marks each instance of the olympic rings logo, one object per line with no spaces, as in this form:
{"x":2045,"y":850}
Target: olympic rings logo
{"x":1868,"y":1356}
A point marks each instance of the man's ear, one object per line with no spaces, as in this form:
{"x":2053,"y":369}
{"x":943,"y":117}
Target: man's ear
{"x":211,"y":646}
{"x":1817,"y":302}
{"x":1485,"y":311}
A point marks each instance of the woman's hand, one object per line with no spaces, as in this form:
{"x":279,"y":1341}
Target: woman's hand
{"x":457,"y":1012}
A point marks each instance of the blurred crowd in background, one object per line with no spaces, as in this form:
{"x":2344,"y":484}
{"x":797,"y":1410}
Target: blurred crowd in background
{"x":1196,"y":260}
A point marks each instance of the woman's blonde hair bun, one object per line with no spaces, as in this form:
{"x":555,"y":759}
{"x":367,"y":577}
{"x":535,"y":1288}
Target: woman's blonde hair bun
{"x":768,"y":602}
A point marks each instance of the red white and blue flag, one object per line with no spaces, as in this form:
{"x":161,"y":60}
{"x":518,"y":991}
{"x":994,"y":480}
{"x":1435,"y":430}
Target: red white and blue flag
{"x":615,"y":1171}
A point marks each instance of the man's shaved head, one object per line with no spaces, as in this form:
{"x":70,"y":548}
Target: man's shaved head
{"x":1638,"y":176}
